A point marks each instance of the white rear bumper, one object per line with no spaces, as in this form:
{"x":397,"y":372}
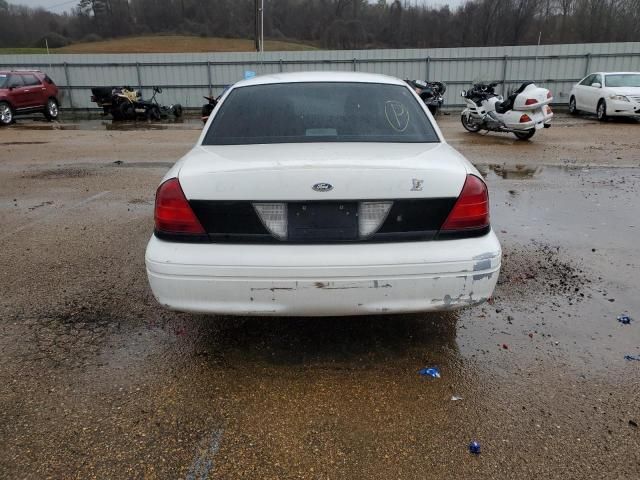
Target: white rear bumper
{"x":323,"y":280}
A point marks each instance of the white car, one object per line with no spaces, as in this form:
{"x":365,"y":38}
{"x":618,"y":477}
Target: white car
{"x":319,"y":194}
{"x":607,"y":95}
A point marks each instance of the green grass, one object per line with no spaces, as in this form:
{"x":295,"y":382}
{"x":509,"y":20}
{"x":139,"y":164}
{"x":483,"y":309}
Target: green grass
{"x":22,"y":51}
{"x":165,"y":44}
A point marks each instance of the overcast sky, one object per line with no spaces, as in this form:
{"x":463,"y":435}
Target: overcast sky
{"x":61,"y":5}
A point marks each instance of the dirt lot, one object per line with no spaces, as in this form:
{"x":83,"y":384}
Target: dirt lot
{"x":98,"y":381}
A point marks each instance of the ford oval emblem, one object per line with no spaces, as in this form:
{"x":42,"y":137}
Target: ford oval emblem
{"x":322,"y":187}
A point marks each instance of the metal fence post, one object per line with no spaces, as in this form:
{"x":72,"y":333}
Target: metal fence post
{"x":428,"y":68}
{"x":139,"y":76}
{"x":68,"y":83}
{"x":504,"y":74}
{"x":355,"y":63}
{"x":280,"y":65}
{"x":587,"y":64}
{"x":209,"y":81}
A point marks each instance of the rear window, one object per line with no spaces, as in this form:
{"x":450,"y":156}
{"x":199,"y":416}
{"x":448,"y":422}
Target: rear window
{"x":320,"y":112}
{"x":4,"y":78}
{"x":626,"y":80}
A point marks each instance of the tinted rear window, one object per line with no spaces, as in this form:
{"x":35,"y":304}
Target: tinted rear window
{"x":320,"y":112}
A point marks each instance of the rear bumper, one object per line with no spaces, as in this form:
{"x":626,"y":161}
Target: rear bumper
{"x":323,"y":280}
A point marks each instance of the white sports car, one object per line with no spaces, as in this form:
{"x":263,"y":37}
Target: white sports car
{"x":607,"y":95}
{"x":322,"y":194}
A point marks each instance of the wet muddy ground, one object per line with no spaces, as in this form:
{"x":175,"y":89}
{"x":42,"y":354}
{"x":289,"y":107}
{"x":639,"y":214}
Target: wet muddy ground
{"x":98,"y":381}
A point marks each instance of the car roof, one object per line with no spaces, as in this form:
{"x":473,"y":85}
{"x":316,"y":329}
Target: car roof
{"x":20,"y":71}
{"x":615,"y":73}
{"x":302,"y":77}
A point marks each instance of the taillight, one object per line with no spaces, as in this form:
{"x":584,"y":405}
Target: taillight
{"x":173,"y":214}
{"x":531,"y":101}
{"x":549,"y":94}
{"x":471,"y":210}
{"x":525,"y":118}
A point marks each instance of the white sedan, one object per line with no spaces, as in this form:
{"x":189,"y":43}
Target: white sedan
{"x":607,"y":95}
{"x":322,"y":194}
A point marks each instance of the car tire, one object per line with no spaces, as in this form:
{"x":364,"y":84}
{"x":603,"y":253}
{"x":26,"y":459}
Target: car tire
{"x":6,"y":114}
{"x":469,"y":126}
{"x":573,"y":110}
{"x":525,"y":135}
{"x":601,"y":111}
{"x":52,"y":109}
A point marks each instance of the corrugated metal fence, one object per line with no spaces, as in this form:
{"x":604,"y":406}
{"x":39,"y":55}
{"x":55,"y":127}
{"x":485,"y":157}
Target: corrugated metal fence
{"x":185,"y":78}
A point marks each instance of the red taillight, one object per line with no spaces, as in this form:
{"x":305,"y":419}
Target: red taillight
{"x":173,"y":213}
{"x":472,"y":207}
{"x":531,"y":101}
{"x":525,"y":118}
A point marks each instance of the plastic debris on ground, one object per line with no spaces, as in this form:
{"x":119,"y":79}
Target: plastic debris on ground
{"x":474,"y":447}
{"x":432,"y":372}
{"x":625,"y":319}
{"x":455,"y":398}
{"x":632,"y":357}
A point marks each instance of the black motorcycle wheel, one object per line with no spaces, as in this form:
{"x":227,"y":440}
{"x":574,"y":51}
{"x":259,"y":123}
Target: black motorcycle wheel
{"x":177,"y":110}
{"x":525,"y":135}
{"x":153,"y":113}
{"x":469,"y":125}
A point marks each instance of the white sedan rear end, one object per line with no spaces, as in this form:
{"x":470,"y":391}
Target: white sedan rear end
{"x":322,"y":194}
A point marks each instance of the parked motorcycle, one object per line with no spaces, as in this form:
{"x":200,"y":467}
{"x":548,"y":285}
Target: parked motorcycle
{"x":208,"y":107}
{"x":523,"y":112}
{"x":431,"y":93}
{"x":124,"y":103}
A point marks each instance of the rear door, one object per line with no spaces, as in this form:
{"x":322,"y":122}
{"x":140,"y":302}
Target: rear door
{"x":18,"y":94}
{"x":34,"y":91}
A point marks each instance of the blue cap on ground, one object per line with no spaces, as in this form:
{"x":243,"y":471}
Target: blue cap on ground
{"x":474,"y":447}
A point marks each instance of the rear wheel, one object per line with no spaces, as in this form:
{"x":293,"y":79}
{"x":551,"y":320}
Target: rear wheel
{"x":602,"y":111}
{"x":469,"y":124}
{"x":6,"y":114}
{"x":177,"y":110}
{"x":154,"y":113}
{"x":525,"y":135}
{"x":572,"y":106}
{"x":51,"y":111}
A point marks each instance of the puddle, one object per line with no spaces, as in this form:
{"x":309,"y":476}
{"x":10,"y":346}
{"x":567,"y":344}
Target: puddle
{"x":510,"y":172}
{"x":59,"y":173}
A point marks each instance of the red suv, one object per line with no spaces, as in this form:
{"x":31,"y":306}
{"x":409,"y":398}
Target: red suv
{"x":27,"y":91}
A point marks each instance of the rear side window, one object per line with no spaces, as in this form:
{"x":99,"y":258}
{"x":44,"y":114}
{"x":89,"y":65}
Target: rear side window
{"x":320,"y":112}
{"x":4,"y":79}
{"x":15,"y":81}
{"x":30,"y":80}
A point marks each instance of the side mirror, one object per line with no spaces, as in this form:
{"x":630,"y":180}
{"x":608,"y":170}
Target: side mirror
{"x":596,"y":85}
{"x":463,"y":93}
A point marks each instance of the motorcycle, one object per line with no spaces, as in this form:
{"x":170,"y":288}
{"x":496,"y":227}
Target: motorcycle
{"x":124,"y":103}
{"x":525,"y":110}
{"x":431,"y":93}
{"x":208,"y":107}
